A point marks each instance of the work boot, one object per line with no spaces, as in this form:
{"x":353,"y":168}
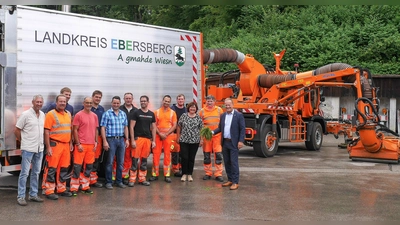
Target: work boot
{"x":52,"y":196}
{"x":74,"y":193}
{"x":206,"y":177}
{"x":145,"y":183}
{"x":153,"y":178}
{"x":167,"y":179}
{"x":178,"y":174}
{"x":66,"y":194}
{"x":220,"y":179}
{"x":88,"y":191}
{"x":131,"y":184}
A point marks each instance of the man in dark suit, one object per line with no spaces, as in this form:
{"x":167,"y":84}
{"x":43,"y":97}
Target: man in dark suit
{"x":232,"y":127}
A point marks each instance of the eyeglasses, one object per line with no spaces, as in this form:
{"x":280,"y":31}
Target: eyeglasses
{"x":143,"y":101}
{"x":88,"y":102}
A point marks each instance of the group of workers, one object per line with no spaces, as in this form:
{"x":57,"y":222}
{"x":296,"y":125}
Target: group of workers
{"x":128,"y":134}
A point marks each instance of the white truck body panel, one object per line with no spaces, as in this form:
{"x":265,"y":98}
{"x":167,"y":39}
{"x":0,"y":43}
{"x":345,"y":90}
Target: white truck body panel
{"x":48,"y":50}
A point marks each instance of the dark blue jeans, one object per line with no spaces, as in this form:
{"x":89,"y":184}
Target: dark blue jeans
{"x":117,"y":148}
{"x":231,"y":161}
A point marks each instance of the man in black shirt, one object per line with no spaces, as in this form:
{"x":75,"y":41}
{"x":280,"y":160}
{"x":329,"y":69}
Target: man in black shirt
{"x":143,"y":135}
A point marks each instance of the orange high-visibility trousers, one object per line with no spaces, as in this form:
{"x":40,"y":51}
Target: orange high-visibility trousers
{"x":139,"y":160}
{"x":96,"y":163}
{"x":79,"y":177}
{"x":57,"y":163}
{"x":160,"y":145}
{"x":213,"y":147}
{"x":175,"y":155}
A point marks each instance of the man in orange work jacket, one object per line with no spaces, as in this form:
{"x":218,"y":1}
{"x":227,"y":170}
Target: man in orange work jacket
{"x":165,"y":124}
{"x":210,"y":116}
{"x":57,"y":137}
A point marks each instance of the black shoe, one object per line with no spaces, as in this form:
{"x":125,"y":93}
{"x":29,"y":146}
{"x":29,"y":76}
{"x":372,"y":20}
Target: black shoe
{"x":125,"y":181}
{"x":88,"y":191}
{"x":74,"y":193}
{"x":98,"y":185}
{"x":145,"y":183}
{"x":167,"y":179}
{"x":66,"y":194}
{"x":153,"y":178}
{"x":178,"y":174}
{"x":220,"y":179}
{"x":206,"y":177}
{"x":52,"y":196}
{"x":121,"y":185}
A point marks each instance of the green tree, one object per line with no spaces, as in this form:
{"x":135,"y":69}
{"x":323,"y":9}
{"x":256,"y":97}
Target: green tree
{"x":313,"y":35}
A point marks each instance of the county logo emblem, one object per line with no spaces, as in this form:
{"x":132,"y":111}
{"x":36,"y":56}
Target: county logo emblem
{"x":180,"y":55}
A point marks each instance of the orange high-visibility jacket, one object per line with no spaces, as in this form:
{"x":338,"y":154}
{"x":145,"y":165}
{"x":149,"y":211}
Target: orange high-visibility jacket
{"x":59,"y":125}
{"x":165,"y":119}
{"x":211,"y":117}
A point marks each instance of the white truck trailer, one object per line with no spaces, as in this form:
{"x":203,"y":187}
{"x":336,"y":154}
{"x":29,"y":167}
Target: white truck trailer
{"x":43,"y":51}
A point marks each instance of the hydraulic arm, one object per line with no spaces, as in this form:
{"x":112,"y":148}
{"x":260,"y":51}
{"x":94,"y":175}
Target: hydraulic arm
{"x":284,"y":106}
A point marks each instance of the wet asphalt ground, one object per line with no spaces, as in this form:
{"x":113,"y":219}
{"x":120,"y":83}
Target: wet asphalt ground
{"x":294,"y":185}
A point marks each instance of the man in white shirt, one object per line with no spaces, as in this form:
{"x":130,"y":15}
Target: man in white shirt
{"x":29,"y":130}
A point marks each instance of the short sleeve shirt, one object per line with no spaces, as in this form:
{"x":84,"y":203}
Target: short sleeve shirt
{"x":114,"y":124}
{"x":190,"y":128}
{"x":143,"y":123}
{"x":87,"y":124}
{"x":32,"y":129}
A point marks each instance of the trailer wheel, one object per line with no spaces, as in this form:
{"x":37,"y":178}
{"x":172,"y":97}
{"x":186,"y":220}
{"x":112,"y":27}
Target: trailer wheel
{"x":316,"y":137}
{"x":268,"y":145}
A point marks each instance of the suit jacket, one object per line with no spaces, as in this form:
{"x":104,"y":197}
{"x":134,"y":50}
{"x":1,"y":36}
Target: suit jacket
{"x":237,"y":128}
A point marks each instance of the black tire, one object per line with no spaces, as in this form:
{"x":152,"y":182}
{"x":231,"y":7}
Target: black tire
{"x":316,"y":137}
{"x":14,"y":173}
{"x":268,"y":145}
{"x":14,"y":160}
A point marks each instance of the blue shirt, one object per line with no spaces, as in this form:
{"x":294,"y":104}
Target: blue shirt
{"x":52,"y":106}
{"x":99,"y":112}
{"x":114,"y":124}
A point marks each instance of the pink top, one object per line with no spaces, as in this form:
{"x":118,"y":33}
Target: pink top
{"x":87,"y":126}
